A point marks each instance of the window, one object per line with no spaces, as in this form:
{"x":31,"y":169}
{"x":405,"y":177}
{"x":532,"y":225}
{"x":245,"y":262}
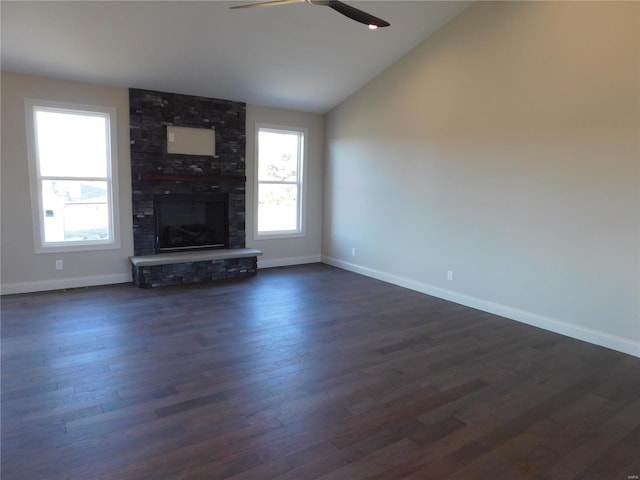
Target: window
{"x":279,"y":182}
{"x":71,"y":153}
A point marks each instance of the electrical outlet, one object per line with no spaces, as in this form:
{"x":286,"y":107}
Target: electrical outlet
{"x":450,"y":275}
{"x":59,"y":265}
{"x":353,"y":252}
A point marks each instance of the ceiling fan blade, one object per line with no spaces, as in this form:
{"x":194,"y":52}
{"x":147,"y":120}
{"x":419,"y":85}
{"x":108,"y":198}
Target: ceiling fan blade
{"x":268,"y":3}
{"x":346,"y":10}
{"x":354,"y":14}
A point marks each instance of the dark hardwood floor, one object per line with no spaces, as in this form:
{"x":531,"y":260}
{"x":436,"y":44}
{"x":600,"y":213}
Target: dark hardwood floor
{"x":300,"y":373}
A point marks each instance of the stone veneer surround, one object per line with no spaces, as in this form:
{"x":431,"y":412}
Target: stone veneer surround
{"x":150,"y":114}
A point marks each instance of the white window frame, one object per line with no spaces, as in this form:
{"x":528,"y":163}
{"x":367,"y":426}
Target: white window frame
{"x":300,"y":182}
{"x":37,"y":208}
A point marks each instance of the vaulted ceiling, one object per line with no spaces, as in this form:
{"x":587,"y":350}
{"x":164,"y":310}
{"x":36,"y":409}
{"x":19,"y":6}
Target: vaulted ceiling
{"x":298,"y":56}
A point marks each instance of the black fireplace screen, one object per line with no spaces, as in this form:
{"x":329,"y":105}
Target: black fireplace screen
{"x":191,"y":222}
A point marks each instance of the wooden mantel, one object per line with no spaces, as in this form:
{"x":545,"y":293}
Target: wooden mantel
{"x":191,"y":178}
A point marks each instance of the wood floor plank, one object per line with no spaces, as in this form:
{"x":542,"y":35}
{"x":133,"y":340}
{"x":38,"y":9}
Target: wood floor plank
{"x":299,"y":373}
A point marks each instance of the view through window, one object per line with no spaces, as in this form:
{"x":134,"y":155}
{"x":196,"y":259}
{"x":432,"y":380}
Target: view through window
{"x":73,"y":170}
{"x":279,"y":176}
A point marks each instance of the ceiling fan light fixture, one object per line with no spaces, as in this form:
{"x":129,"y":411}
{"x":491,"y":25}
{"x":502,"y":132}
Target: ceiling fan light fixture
{"x":372,"y":26}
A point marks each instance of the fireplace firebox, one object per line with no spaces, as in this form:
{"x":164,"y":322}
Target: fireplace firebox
{"x":191,"y":222}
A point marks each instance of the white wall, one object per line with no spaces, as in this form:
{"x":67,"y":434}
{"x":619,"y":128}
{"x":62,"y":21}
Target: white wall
{"x":289,"y":251}
{"x":505,"y":149}
{"x":22,"y":269}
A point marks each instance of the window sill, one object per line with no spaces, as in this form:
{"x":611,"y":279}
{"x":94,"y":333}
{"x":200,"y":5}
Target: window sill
{"x":276,"y":236}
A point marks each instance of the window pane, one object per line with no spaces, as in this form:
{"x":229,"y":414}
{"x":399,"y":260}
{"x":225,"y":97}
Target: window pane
{"x":75,"y":211}
{"x":278,"y":156}
{"x":277,"y":208}
{"x":71,"y":145}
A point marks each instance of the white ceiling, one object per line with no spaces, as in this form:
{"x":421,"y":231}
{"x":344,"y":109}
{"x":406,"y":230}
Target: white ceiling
{"x":299,"y":56}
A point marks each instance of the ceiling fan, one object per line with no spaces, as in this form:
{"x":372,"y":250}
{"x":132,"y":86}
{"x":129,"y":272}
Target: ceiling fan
{"x":346,"y":10}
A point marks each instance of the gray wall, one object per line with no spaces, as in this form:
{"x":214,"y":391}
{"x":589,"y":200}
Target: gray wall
{"x":289,"y":251}
{"x":24,"y":271}
{"x":504,"y":149}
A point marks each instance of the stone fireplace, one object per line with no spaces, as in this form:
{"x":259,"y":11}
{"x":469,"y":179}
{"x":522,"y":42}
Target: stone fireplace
{"x":179,"y":195}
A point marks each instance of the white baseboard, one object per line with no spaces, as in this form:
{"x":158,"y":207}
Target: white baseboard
{"x":287,"y":262}
{"x":595,"y":337}
{"x":61,"y":284}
